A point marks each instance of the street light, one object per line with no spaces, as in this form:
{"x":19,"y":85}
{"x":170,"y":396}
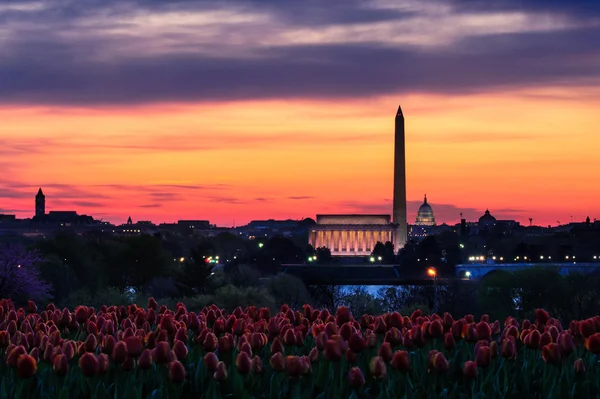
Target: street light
{"x":372,"y":259}
{"x":432,"y":272}
{"x":467,"y":274}
{"x":260,"y":245}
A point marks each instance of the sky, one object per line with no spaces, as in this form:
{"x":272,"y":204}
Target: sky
{"x":233,"y":111}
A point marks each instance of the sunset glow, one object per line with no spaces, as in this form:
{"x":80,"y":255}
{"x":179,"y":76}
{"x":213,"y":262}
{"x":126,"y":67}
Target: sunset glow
{"x":522,"y":149}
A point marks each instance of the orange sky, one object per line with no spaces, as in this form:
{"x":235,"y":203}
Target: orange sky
{"x":520,"y":153}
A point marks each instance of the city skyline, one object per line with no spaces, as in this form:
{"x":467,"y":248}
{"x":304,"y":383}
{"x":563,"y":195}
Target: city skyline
{"x":263,"y":110}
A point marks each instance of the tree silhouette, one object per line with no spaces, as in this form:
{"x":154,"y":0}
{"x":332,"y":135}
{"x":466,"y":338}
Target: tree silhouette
{"x":19,"y":274}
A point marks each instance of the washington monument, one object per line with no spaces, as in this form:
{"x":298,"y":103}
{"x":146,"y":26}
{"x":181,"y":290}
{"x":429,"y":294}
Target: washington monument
{"x":399,"y":211}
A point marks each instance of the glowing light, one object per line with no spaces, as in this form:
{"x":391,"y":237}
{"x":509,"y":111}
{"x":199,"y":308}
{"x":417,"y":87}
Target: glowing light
{"x":462,"y":245}
{"x":260,"y":245}
{"x":468,"y":274}
{"x":541,"y":256}
{"x":379,"y":258}
{"x":182,"y":259}
{"x":18,"y":266}
{"x":432,"y":272}
{"x":567,"y":257}
{"x":501,"y":258}
{"x":372,"y":259}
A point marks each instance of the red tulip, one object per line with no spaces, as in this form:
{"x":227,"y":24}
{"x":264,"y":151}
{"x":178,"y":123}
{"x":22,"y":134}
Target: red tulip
{"x":545,"y":339}
{"x":351,"y":357}
{"x":532,"y":340}
{"x":277,"y":362}
{"x":470,"y":370}
{"x":579,"y":367}
{"x":551,"y":353}
{"x":314,"y":355}
{"x":180,"y":350}
{"x":61,"y":365}
{"x":508,"y":349}
{"x":211,"y":361}
{"x":440,"y":363}
{"x":176,"y":372}
{"x":145,"y":360}
{"x":333,"y":350}
{"x":378,"y":368}
{"x":161,"y":353}
{"x":541,"y":316}
{"x":296,"y":366}
{"x":386,"y":352}
{"x":88,"y":364}
{"x":256,"y":365}
{"x":356,"y":378}
{"x":592,"y":343}
{"x":226,"y":343}
{"x":436,"y":329}
{"x":449,"y":342}
{"x":26,"y":366}
{"x":401,"y":361}
{"x":483,"y":330}
{"x":566,"y":343}
{"x":81,"y":314}
{"x":243,"y":363}
{"x":483,"y":356}
{"x":14,"y":354}
{"x":357,"y":343}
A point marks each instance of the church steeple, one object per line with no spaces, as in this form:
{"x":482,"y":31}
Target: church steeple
{"x":40,"y":193}
{"x":425,"y":200}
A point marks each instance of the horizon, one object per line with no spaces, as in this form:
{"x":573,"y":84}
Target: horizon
{"x":256,"y":110}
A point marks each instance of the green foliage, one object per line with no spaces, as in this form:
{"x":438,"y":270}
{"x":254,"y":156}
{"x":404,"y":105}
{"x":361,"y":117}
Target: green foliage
{"x":288,"y":289}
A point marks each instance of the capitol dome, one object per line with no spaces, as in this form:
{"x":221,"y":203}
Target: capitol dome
{"x":425,"y":215}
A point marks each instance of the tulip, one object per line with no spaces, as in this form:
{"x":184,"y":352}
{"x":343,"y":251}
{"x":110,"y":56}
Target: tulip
{"x":226,"y":343}
{"x":551,"y":353}
{"x":579,"y":366}
{"x":401,"y":361}
{"x":161,"y":353}
{"x":314,"y":355}
{"x":356,"y":378}
{"x":541,"y":316}
{"x":449,"y":342}
{"x":81,"y":314}
{"x":440,"y":363}
{"x":296,"y":366}
{"x":483,"y":330}
{"x":180,"y":350}
{"x":61,"y":365}
{"x":545,"y":339}
{"x":351,"y":357}
{"x":243,"y":363}
{"x":483,"y":356}
{"x":88,"y":364}
{"x":145,"y":360}
{"x":103,"y":363}
{"x":508,"y":349}
{"x":436,"y":329}
{"x":176,"y":372}
{"x":277,"y":362}
{"x":566,"y":343}
{"x":119,"y":353}
{"x":14,"y":354}
{"x":134,"y":346}
{"x":220,"y":374}
{"x":532,"y":340}
{"x":26,"y":366}
{"x":333,"y":350}
{"x":592,"y":343}
{"x":378,"y":368}
{"x":357,"y":343}
{"x":256,"y":365}
{"x":289,"y":338}
{"x":386,"y":352}
{"x":470,"y":370}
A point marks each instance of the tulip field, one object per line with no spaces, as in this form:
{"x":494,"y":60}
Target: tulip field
{"x":156,"y":352}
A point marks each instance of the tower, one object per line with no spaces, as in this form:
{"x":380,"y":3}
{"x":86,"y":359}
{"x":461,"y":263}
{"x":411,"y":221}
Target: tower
{"x":40,"y":204}
{"x":399,"y":205}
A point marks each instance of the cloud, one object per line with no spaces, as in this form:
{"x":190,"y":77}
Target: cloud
{"x":89,"y":204}
{"x":205,"y":51}
{"x":151,"y":206}
{"x":300,"y":197}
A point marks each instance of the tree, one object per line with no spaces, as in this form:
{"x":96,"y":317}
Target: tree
{"x":192,"y":278}
{"x":385,"y":252}
{"x":19,"y":274}
{"x":324,"y":255}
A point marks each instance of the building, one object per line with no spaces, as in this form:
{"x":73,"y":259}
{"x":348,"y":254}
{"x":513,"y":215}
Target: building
{"x":351,"y":235}
{"x":356,"y":235}
{"x":425,"y":215}
{"x":40,"y":204}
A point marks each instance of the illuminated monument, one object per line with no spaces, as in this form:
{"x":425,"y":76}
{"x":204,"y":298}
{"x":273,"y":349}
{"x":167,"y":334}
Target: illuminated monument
{"x":356,"y":235}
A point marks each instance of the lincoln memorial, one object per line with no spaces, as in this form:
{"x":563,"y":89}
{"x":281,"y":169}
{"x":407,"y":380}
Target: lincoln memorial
{"x":351,"y":235}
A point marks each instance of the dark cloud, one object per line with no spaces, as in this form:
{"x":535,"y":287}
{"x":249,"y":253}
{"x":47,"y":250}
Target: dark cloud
{"x":300,"y":197}
{"x":151,"y":206}
{"x":46,"y":65}
{"x":89,"y":204}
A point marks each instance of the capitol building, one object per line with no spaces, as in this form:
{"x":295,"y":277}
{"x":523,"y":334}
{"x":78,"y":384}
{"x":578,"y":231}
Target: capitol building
{"x":425,"y":221}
